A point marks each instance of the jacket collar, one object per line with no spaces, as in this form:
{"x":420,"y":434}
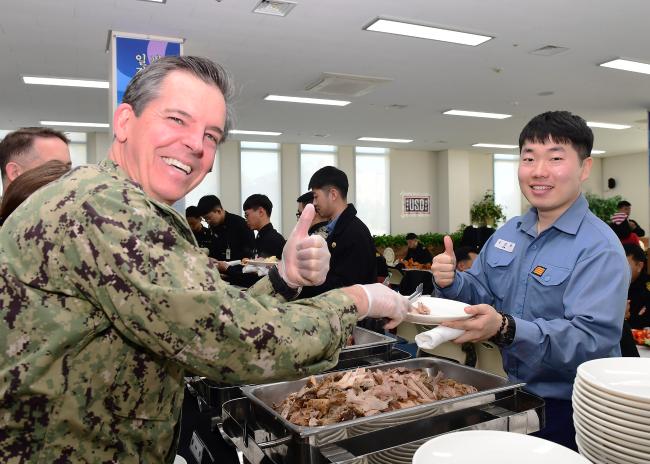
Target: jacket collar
{"x":569,"y":222}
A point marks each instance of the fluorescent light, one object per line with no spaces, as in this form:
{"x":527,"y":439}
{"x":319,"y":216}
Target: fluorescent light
{"x":598,"y":152}
{"x":426,"y":32}
{"x":252,"y":132}
{"x":494,"y":145}
{"x":606,"y":125}
{"x":156,"y":1}
{"x":627,"y":65}
{"x":73,"y":124}
{"x":477,"y":114}
{"x":311,"y":101}
{"x":38,"y":80}
{"x":380,"y":139}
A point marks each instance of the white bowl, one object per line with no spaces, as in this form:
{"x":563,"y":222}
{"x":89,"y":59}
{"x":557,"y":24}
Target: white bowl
{"x":618,"y":402}
{"x":440,"y":310}
{"x":492,"y":447}
{"x":624,"y":377}
{"x":608,"y":448}
{"x":609,"y":407}
{"x":610,"y":434}
{"x":619,"y":425}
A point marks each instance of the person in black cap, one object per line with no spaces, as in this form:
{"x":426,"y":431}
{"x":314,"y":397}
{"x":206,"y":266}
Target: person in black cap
{"x":232,"y":239}
{"x":416,"y":251}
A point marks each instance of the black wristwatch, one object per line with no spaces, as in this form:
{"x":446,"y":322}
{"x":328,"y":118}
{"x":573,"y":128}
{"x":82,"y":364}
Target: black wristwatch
{"x":506,"y":335}
{"x":281,"y":287}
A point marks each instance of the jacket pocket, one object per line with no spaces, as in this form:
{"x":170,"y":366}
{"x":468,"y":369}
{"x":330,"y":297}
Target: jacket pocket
{"x":549,"y":275}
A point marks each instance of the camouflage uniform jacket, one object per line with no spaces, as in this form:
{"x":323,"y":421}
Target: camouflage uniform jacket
{"x":106,"y":301}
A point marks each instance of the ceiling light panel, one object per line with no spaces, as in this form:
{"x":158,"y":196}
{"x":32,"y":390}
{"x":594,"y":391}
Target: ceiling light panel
{"x":607,"y":125}
{"x":477,"y":114}
{"x":310,"y":101}
{"x":628,"y":65}
{"x":426,"y":32}
{"x":274,"y":7}
{"x":65,"y":82}
{"x":598,"y":152}
{"x":155,"y":1}
{"x":494,"y":145}
{"x":382,"y":139}
{"x":73,"y":124}
{"x":252,"y":132}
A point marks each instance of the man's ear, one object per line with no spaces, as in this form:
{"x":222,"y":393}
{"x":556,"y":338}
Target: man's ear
{"x":13,"y":170}
{"x":124,"y":114}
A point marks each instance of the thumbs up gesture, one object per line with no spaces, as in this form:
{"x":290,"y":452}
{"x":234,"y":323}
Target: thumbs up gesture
{"x":443,"y":266}
{"x":305,"y":258}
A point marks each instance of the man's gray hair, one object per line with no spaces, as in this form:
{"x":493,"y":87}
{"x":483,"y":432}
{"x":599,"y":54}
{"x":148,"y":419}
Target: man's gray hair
{"x":145,"y":86}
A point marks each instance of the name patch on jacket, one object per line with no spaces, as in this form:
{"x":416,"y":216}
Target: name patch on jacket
{"x":505,"y":245}
{"x":539,"y":271}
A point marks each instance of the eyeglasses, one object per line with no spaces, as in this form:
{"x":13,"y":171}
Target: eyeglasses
{"x":298,"y":215}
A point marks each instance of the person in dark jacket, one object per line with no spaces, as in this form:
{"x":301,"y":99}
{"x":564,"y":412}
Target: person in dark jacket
{"x":202,"y":234}
{"x":349,"y":241}
{"x":416,"y":251}
{"x":639,"y":292}
{"x":319,"y":224}
{"x":232,"y":239}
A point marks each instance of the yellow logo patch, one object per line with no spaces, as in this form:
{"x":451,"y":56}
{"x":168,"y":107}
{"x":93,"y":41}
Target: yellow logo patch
{"x":539,"y":271}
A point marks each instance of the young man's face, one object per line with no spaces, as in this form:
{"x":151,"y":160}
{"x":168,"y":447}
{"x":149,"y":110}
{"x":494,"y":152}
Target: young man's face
{"x":170,"y":147}
{"x":551,"y":175}
{"x":412,"y":243}
{"x":215,"y":217}
{"x":626,"y":209}
{"x":253,"y":218}
{"x":195,"y":223}
{"x":323,"y":202}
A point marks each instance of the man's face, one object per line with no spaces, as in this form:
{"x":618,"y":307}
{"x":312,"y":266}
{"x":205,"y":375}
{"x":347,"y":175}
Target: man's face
{"x":43,"y":149}
{"x":551,"y":175}
{"x":412,"y":243}
{"x":466,"y":263}
{"x":635,"y":267}
{"x":323,"y":202}
{"x":170,"y":147}
{"x":299,"y":210}
{"x":195,"y":223}
{"x":215,"y":217}
{"x":254,"y":218}
{"x":626,"y":209}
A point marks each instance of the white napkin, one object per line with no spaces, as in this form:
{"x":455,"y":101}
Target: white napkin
{"x":432,"y":338}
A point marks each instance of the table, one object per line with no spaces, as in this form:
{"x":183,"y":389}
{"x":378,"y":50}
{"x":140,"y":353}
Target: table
{"x":644,"y":351}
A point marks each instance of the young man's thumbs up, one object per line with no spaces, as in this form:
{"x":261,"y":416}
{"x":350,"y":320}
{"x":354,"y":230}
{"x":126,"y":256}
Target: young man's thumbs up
{"x":443,"y":266}
{"x":305,"y":258}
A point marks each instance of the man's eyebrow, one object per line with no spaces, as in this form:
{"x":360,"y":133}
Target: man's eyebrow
{"x":189,"y":116}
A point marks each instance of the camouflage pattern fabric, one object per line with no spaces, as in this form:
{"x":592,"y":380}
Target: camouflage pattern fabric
{"x":106,"y":301}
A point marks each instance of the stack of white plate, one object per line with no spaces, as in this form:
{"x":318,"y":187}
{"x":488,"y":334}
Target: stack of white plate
{"x":493,"y":447}
{"x":611,"y":410}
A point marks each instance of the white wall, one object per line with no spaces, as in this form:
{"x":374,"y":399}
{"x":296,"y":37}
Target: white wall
{"x":631,"y":175}
{"x":230,"y":179}
{"x":412,"y":171}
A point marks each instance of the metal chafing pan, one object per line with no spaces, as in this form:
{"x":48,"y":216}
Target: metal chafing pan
{"x":263,"y":436}
{"x":369,"y":348}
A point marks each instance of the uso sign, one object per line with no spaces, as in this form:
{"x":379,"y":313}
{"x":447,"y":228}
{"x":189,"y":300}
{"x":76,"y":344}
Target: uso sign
{"x":414,"y":204}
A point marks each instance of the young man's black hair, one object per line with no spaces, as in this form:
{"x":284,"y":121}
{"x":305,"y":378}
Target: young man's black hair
{"x":306,"y":198}
{"x":561,"y":127}
{"x":257,"y":200}
{"x":329,"y":176}
{"x":636,"y":252}
{"x":462,"y":253}
{"x":623,"y":204}
{"x":193,"y":212}
{"x":208,"y":203}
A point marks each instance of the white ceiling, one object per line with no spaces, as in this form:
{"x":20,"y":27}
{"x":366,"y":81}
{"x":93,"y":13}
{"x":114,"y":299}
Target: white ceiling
{"x":267,"y":54}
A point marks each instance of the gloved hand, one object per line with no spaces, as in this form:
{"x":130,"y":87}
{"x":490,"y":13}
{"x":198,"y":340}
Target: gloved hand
{"x":443,"y":266}
{"x":305,"y":258}
{"x":385,"y":302}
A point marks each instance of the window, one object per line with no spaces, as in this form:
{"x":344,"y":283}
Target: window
{"x":373,"y":188}
{"x":506,"y":184}
{"x":312,"y":158}
{"x":209,"y":185}
{"x":260,"y":173}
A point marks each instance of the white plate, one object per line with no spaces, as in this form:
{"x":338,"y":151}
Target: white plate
{"x":613,"y":398}
{"x":489,"y":446}
{"x":588,"y":418}
{"x":234,"y":263}
{"x":604,"y":405}
{"x":631,"y":441}
{"x":606,"y":419}
{"x":595,"y":456}
{"x":441,"y":310}
{"x":610,"y":447}
{"x":626,"y":377}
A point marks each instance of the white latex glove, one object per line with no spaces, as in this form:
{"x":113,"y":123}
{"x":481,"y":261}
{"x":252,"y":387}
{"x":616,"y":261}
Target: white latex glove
{"x":305,"y":258}
{"x":385,"y":302}
{"x":443,"y":266}
{"x":432,"y":338}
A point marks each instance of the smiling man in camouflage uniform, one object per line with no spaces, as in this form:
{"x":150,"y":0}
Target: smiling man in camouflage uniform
{"x":106,"y":298}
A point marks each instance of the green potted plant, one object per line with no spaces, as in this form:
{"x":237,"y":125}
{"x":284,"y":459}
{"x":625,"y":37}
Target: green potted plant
{"x":603,"y":208}
{"x":486,"y":211}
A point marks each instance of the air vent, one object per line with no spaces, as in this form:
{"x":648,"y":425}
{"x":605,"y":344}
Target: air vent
{"x":549,"y":50}
{"x":345,"y":84}
{"x":274,"y":7}
{"x":395,"y":107}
